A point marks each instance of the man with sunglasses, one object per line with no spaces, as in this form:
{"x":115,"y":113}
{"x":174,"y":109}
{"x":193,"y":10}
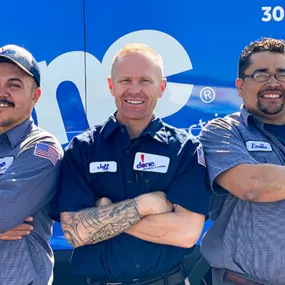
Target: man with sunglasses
{"x":245,"y":155}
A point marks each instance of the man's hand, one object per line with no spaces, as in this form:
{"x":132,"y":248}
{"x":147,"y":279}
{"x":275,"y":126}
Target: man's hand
{"x":104,"y":201}
{"x":18,"y":232}
{"x":153,"y":203}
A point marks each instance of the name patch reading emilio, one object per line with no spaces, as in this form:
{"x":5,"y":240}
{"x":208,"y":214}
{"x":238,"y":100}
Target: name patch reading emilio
{"x":258,"y":146}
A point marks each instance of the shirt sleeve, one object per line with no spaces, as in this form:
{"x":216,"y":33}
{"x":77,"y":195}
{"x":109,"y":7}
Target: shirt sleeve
{"x":75,"y":192}
{"x":224,"y":149}
{"x":189,"y":188}
{"x":29,"y":183}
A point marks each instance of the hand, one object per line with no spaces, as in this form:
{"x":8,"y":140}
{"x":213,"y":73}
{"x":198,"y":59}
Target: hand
{"x":153,"y":203}
{"x":18,"y":232}
{"x":104,"y":201}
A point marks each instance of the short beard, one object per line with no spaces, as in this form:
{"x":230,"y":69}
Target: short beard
{"x":267,"y":111}
{"x":7,"y":123}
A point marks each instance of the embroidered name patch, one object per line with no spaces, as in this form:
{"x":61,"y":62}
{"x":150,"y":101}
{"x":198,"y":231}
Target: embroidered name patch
{"x":151,"y":162}
{"x":258,"y":146}
{"x":5,"y":163}
{"x":103,"y":166}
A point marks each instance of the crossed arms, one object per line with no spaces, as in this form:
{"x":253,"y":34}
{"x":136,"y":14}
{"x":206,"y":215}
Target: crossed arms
{"x":26,"y":186}
{"x":149,"y":217}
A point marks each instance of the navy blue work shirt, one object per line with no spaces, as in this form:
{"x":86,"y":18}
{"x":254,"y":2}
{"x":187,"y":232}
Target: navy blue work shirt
{"x":104,"y":162}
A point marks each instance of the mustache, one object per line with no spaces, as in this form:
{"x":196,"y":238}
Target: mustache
{"x":5,"y":101}
{"x":267,"y":90}
{"x":138,"y":96}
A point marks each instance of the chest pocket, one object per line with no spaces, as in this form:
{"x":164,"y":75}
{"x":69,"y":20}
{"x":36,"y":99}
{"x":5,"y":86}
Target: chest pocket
{"x":260,"y":156}
{"x":104,"y":178}
{"x":152,"y":181}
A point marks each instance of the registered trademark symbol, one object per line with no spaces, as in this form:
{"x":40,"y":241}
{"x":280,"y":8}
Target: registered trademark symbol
{"x":207,"y":95}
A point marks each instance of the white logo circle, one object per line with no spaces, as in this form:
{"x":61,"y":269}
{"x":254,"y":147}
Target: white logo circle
{"x":207,"y":95}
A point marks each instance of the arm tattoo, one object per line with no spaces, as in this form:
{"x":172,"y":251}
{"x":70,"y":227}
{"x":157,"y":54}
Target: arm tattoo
{"x":96,"y":224}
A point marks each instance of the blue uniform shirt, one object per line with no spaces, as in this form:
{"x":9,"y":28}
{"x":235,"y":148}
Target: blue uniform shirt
{"x":247,"y":237}
{"x":104,"y":162}
{"x":29,"y":170}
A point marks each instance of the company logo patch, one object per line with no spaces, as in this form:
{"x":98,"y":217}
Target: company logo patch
{"x":258,"y":146}
{"x":5,"y":163}
{"x":7,"y":51}
{"x":151,"y":162}
{"x":103,"y":166}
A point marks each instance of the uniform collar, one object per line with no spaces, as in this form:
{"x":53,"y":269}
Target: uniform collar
{"x":155,"y":129}
{"x":110,"y":126}
{"x":249,"y":118}
{"x":17,"y":133}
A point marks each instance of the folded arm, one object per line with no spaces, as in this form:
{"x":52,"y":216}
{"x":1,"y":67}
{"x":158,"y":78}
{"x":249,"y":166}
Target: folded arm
{"x":27,"y":185}
{"x":108,"y":220}
{"x":236,"y":168}
{"x":255,"y":182}
{"x":179,"y":228}
{"x":96,"y":224}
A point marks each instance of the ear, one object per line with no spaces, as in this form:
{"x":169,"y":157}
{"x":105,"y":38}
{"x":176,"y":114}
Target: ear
{"x":111,"y":85}
{"x":162,"y":86}
{"x":240,"y":86}
{"x":36,"y":95}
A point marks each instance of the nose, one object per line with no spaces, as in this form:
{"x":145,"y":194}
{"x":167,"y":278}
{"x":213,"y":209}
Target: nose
{"x":135,"y":88}
{"x":273,"y":82}
{"x":3,"y":91}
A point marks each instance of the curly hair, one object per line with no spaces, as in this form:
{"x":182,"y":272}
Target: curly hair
{"x":264,"y":44}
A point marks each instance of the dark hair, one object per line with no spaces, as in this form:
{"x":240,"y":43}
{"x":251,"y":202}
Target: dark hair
{"x":264,"y":44}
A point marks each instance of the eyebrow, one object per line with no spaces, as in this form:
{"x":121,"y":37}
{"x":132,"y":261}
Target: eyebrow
{"x":15,"y":79}
{"x":139,"y":78}
{"x":266,"y":70}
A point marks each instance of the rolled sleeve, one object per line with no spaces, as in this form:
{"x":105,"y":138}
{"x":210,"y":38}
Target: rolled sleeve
{"x":26,"y":186}
{"x":190,"y":188}
{"x":224,"y":149}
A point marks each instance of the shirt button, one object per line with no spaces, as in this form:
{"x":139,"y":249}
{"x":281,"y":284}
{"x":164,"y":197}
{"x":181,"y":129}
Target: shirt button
{"x":138,"y":266}
{"x":122,"y":130}
{"x":128,"y":152}
{"x":146,"y":180}
{"x":130,"y":181}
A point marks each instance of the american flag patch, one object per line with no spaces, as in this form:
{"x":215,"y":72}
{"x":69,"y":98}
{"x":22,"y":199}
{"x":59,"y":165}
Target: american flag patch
{"x":201,"y":157}
{"x":47,"y":151}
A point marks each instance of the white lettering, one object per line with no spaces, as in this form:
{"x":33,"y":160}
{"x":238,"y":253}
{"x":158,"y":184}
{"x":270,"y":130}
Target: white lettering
{"x":195,"y":129}
{"x":97,"y":101}
{"x":66,"y":67}
{"x":276,"y":13}
{"x":266,"y":15}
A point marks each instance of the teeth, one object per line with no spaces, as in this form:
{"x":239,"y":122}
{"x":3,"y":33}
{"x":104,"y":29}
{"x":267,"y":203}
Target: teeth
{"x":134,"y":102}
{"x":271,"y":96}
{"x":3,"y":105}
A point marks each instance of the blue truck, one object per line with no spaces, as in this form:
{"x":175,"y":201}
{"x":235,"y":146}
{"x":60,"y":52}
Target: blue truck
{"x":75,"y":41}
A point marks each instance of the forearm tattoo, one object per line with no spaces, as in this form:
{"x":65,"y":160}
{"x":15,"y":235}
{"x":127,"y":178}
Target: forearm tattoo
{"x":96,"y":224}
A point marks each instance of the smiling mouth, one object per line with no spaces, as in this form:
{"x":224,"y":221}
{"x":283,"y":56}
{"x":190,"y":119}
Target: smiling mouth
{"x":2,"y":105}
{"x":271,"y":96}
{"x":6,"y":104}
{"x":134,"y":102}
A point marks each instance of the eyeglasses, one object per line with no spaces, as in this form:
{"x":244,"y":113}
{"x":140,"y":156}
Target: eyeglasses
{"x":265,"y":76}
